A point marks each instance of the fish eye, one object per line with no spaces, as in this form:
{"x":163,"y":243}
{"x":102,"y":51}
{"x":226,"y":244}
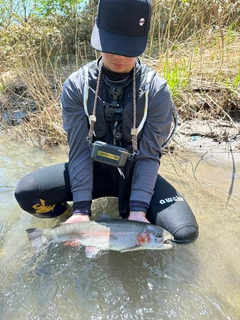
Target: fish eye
{"x":159,"y":235}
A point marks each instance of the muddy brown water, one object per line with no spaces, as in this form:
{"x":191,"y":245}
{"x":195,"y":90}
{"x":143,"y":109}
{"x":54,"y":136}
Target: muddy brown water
{"x":195,"y":281}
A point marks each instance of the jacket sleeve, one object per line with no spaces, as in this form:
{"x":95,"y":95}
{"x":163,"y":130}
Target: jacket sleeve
{"x":75,"y":123}
{"x":155,"y":131}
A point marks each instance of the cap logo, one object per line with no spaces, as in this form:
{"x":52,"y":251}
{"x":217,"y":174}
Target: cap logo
{"x":141,"y":21}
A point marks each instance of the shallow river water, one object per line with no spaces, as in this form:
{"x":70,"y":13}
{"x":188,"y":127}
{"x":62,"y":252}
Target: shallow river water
{"x":200,"y":280}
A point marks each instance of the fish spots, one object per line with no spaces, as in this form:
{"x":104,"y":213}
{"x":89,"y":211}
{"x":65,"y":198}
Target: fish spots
{"x":143,"y":238}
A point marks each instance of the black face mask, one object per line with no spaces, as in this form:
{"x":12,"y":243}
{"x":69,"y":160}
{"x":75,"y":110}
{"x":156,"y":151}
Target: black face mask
{"x":115,"y":76}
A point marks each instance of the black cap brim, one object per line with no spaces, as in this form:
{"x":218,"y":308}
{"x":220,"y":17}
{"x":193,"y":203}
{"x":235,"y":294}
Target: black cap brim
{"x":129,"y":46}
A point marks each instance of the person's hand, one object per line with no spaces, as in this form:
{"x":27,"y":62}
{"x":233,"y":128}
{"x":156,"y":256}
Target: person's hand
{"x":78,"y":218}
{"x":73,"y":219}
{"x":138,"y":216}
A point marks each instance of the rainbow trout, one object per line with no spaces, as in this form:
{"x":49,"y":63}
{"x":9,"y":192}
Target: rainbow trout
{"x":104,"y":234}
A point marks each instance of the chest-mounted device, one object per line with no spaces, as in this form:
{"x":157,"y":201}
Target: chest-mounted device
{"x":109,"y":154}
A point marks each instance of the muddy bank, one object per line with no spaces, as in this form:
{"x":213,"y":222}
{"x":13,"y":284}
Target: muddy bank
{"x":213,"y":139}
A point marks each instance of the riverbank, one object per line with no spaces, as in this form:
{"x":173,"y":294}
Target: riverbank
{"x":213,"y":139}
{"x":208,"y":117}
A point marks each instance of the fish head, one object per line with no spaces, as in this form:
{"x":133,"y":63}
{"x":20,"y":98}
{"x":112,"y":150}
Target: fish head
{"x":155,"y":237}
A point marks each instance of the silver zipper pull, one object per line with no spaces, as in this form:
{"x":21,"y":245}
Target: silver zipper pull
{"x":121,"y":173}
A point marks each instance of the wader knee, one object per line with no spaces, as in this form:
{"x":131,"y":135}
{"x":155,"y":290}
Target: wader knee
{"x":186,"y":234}
{"x":179,"y":220}
{"x":29,"y":198}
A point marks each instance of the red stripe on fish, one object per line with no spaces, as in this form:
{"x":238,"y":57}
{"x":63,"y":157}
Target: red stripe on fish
{"x":143,"y":238}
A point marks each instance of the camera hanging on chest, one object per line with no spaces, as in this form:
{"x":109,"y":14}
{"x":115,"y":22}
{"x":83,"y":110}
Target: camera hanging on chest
{"x":112,"y":154}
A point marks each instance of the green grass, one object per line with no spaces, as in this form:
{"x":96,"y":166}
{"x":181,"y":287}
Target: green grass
{"x":236,"y":80}
{"x":177,"y":76}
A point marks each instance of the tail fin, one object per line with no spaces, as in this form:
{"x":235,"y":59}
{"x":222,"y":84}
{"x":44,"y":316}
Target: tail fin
{"x":38,"y":242}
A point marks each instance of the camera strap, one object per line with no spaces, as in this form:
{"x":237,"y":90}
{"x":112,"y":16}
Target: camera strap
{"x":93,"y":119}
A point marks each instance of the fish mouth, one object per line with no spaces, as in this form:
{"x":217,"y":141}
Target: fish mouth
{"x":168,"y":242}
